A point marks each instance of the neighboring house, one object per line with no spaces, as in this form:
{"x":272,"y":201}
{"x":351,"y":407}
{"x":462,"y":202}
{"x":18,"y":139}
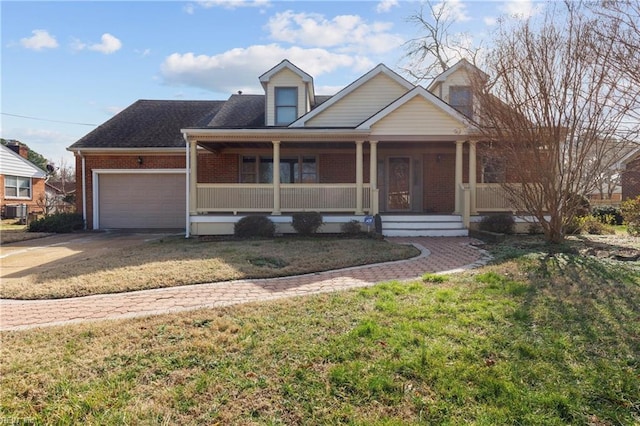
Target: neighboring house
{"x":60,"y":196}
{"x":380,"y":145}
{"x":631,"y":175}
{"x":21,"y":181}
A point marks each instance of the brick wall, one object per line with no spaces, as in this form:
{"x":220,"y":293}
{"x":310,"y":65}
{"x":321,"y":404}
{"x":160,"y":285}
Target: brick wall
{"x":37,"y":193}
{"x":218,"y":168}
{"x":631,"y":180}
{"x":341,"y":168}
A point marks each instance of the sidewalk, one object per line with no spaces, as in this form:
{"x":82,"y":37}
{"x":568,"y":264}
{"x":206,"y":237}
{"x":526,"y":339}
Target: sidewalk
{"x":438,"y":255}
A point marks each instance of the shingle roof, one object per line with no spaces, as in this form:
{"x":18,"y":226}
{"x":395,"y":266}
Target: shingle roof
{"x":150,"y":124}
{"x":157,"y":123}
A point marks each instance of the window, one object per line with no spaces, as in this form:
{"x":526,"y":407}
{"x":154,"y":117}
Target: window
{"x":16,"y":186}
{"x":286,"y":105}
{"x":461,"y":99}
{"x":493,"y":170}
{"x":294,"y":169}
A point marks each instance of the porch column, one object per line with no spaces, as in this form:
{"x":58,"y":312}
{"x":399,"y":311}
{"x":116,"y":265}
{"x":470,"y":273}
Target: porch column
{"x":458,"y":179}
{"x":193,"y":177}
{"x":472,"y":176}
{"x":276,"y":178}
{"x":359,"y":178}
{"x":373,"y":176}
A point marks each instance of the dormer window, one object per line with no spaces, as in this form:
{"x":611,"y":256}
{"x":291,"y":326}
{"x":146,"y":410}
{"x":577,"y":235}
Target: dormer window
{"x":461,"y":99}
{"x":286,"y":105}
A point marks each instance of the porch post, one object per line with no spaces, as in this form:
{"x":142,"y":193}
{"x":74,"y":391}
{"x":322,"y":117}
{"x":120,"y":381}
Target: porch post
{"x":373,"y":176}
{"x":458,"y":179}
{"x":193,"y":177}
{"x":472,"y":176}
{"x":359,"y":178}
{"x":276,"y":178}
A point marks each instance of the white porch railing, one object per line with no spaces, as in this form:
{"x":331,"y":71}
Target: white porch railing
{"x":492,"y":197}
{"x":293,"y":197}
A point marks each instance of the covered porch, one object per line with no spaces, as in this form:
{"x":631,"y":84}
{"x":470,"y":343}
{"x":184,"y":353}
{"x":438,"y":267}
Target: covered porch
{"x":368,"y":185}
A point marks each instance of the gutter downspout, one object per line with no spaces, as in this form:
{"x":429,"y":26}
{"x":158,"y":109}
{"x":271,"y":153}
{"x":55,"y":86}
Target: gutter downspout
{"x":84,"y":191}
{"x":187,"y":188}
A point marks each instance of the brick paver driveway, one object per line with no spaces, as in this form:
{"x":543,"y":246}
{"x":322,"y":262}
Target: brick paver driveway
{"x":438,"y":255}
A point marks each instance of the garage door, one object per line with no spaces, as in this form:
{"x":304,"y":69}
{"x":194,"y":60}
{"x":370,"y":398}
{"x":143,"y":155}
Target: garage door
{"x":148,"y":200}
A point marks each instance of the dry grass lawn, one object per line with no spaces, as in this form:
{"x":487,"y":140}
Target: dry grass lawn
{"x":175,"y":261}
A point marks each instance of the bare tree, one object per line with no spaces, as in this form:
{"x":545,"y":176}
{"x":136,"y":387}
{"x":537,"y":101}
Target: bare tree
{"x":438,"y":47}
{"x":550,"y":110}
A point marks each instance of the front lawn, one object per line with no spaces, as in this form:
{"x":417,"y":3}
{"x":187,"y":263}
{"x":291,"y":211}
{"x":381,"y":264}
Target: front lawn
{"x":541,"y":337}
{"x":174,"y":261}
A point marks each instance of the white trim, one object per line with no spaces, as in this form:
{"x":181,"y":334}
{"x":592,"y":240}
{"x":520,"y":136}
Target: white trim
{"x":84,"y":190}
{"x":96,"y":191}
{"x":442,"y":77}
{"x":379,"y":69}
{"x":187,"y":169}
{"x":7,"y":170}
{"x":426,"y":95}
{"x":285,"y":63}
{"x":124,"y":151}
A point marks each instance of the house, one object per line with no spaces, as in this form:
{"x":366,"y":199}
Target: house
{"x":60,"y":196}
{"x":380,"y":145}
{"x":21,"y":182}
{"x":631,"y":175}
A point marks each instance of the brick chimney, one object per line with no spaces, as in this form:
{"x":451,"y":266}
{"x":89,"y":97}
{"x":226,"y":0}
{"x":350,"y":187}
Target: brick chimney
{"x":19,"y":149}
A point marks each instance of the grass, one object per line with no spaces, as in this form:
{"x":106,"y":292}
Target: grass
{"x":12,"y":231}
{"x":539,"y":338}
{"x":174,"y":261}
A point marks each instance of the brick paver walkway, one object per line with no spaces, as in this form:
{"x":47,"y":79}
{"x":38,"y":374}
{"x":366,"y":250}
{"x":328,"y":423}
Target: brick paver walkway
{"x":438,"y":255}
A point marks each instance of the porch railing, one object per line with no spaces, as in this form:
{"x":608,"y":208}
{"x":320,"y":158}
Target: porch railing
{"x":492,"y":197}
{"x":293,"y":197}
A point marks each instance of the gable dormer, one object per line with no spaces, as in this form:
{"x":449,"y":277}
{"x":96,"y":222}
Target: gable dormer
{"x":454,"y":86}
{"x":289,"y":94}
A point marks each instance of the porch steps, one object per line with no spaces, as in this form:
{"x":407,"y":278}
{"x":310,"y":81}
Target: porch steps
{"x":423,"y":226}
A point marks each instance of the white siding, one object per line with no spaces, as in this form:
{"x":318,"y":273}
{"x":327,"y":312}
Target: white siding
{"x":417,"y":117}
{"x":285,"y":78}
{"x":360,"y":104}
{"x":11,"y":164}
{"x":458,"y":78}
{"x":146,"y":200}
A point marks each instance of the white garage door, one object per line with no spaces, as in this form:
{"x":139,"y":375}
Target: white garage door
{"x":147,"y":200}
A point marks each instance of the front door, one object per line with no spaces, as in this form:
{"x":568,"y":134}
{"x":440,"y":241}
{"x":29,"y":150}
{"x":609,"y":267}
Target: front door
{"x":399,"y":184}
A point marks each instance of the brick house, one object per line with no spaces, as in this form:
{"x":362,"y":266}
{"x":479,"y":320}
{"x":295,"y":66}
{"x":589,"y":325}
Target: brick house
{"x":380,"y":145}
{"x":21,"y":181}
{"x":631,"y":175}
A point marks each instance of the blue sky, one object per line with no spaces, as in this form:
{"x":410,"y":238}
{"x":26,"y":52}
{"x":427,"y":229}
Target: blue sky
{"x":67,"y":64}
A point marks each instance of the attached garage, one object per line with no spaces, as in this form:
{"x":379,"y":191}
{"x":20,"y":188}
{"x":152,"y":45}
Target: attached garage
{"x":150,"y":199}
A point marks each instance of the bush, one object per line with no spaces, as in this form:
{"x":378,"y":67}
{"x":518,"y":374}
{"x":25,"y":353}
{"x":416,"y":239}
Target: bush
{"x":60,"y":223}
{"x":307,"y":223}
{"x":254,"y":226}
{"x":593,"y":226}
{"x":499,"y":223}
{"x":609,"y":215}
{"x":351,"y":228}
{"x":630,"y":211}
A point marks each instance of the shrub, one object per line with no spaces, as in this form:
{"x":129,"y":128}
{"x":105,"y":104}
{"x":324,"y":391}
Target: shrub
{"x":609,"y":215}
{"x":60,"y":223}
{"x":307,"y":223}
{"x":630,"y":211}
{"x":593,"y":226}
{"x":499,"y":223}
{"x":254,"y":226}
{"x":351,"y":228}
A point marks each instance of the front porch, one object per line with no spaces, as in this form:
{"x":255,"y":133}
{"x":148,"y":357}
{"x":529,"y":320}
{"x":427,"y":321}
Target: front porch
{"x":345,"y":178}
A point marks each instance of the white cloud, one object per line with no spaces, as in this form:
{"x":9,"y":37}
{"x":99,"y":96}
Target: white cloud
{"x":40,"y":39}
{"x":108,"y":45}
{"x":386,"y":5}
{"x":113,"y":110}
{"x":237,"y":69}
{"x":522,"y":9}
{"x":349,"y":33}
{"x":233,"y":4}
{"x":51,"y":144}
{"x":189,"y":8}
{"x":490,"y":20}
{"x":453,"y":9}
{"x":143,"y":53}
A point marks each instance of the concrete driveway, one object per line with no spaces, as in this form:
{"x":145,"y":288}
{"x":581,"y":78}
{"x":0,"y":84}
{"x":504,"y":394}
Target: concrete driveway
{"x":55,"y":250}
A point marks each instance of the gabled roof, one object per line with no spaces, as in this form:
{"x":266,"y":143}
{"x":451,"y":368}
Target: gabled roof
{"x":416,"y":91}
{"x":631,"y":156}
{"x":12,"y":164}
{"x":285,"y":63}
{"x":379,"y":69}
{"x":462,"y":63}
{"x":150,"y":124}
